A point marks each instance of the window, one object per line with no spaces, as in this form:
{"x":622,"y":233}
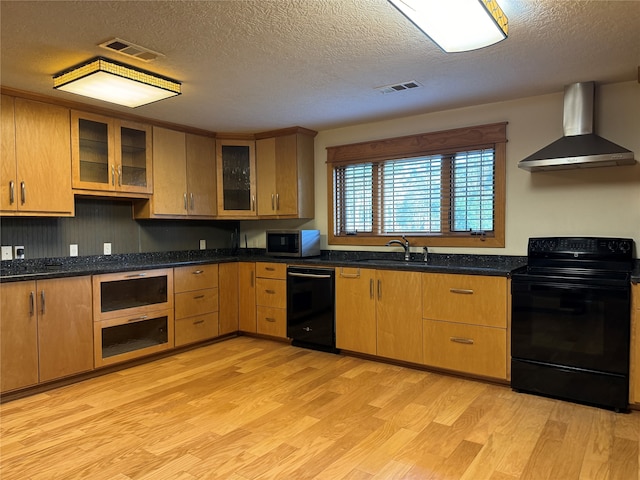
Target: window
{"x":444,"y":188}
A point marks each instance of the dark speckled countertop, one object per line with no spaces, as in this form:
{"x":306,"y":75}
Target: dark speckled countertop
{"x":42,"y":268}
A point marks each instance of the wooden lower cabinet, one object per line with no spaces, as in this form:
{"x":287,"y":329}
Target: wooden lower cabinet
{"x":634,"y":387}
{"x":196,"y":303}
{"x":465,"y":348}
{"x":228,"y":298}
{"x":247,"y":297}
{"x":378,"y":312}
{"x":399,"y":315}
{"x":355,"y":309}
{"x":271,"y":299}
{"x":45,"y":331}
{"x":466,"y":323}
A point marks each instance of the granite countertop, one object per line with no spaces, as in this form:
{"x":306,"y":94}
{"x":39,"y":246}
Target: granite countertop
{"x":43,"y":268}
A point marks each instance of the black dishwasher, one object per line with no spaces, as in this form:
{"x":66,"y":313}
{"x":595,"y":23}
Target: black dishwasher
{"x":310,"y":308}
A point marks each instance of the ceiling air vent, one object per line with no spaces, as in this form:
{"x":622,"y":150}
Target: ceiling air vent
{"x":130,"y":50}
{"x":398,"y":87}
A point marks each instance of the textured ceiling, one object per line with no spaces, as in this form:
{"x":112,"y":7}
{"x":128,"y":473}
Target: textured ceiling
{"x":250,"y":66}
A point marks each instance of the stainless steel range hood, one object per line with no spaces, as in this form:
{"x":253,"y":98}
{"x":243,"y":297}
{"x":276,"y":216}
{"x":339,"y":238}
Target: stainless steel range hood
{"x":579,"y":147}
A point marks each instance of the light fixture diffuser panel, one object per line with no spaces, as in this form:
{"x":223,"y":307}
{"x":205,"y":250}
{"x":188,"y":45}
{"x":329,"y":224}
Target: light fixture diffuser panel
{"x":116,"y":83}
{"x":111,"y":88}
{"x":457,"y":25}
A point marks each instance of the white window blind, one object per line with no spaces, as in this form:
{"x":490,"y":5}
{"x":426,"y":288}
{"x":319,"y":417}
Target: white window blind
{"x":432,"y":194}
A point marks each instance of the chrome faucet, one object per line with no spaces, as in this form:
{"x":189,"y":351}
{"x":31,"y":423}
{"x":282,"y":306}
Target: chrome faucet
{"x":404,"y":244}
{"x":425,"y":250}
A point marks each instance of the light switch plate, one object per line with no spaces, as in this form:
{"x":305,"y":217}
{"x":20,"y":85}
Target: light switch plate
{"x":107,"y":249}
{"x":7,"y":252}
{"x":203,"y":244}
{"x":73,"y":250}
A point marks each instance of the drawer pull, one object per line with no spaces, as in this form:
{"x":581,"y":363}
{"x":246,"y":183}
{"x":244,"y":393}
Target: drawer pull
{"x":137,"y":319}
{"x":135,"y":275}
{"x":270,"y":269}
{"x":270,"y":319}
{"x":198,"y":272}
{"x":349,"y":275}
{"x":270,"y":292}
{"x":198,"y":296}
{"x":198,"y":322}
{"x":466,"y":341}
{"x":462,"y":291}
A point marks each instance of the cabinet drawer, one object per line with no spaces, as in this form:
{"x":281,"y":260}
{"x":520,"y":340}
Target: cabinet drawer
{"x":196,"y":329}
{"x":466,"y":348}
{"x":195,"y":277}
{"x":197,"y":302}
{"x":271,"y":293}
{"x":272,"y":321}
{"x":271,"y":270}
{"x":472,"y":299}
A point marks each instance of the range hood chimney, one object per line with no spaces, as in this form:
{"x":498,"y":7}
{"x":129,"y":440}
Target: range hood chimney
{"x":579,"y":147}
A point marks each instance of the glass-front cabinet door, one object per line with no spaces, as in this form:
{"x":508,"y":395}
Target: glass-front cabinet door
{"x":109,"y":154}
{"x":236,"y":163}
{"x":133,"y":157}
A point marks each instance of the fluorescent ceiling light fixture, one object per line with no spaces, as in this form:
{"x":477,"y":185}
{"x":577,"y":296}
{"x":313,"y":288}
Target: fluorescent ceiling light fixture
{"x":115,"y":82}
{"x":457,"y":25}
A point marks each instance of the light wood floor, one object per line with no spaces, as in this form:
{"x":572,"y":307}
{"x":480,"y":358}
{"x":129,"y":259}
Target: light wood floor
{"x":249,"y":408}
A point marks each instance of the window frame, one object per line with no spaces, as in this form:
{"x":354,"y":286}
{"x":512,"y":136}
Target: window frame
{"x":444,"y":142}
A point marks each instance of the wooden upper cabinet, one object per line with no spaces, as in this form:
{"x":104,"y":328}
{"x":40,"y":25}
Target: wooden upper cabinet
{"x":184,"y":177}
{"x":110,"y":156}
{"x":285,"y":175}
{"x":36,"y":162}
{"x":236,"y":178}
{"x":201,"y":176}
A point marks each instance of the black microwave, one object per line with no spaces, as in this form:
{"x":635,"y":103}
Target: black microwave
{"x":293,"y":243}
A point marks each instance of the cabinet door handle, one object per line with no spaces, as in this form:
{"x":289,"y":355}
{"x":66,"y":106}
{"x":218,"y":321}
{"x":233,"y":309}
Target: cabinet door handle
{"x":371,"y":288}
{"x":135,"y":275}
{"x":119,"y":175}
{"x":270,"y":319}
{"x":277,"y":201}
{"x":23,"y":193}
{"x":198,"y":297}
{"x":253,"y":203}
{"x":137,"y":319}
{"x":197,"y":272}
{"x":198,"y":322}
{"x":273,"y":204}
{"x":42,"y":301}
{"x":461,"y":291}
{"x":113,"y":175}
{"x":12,"y":192}
{"x":270,"y":292}
{"x":184,"y":197}
{"x":379,"y":289}
{"x":191,"y":200}
{"x":32,"y":303}
{"x":466,"y":341}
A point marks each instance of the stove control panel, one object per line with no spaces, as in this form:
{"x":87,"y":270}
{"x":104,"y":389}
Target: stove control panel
{"x":600,"y":247}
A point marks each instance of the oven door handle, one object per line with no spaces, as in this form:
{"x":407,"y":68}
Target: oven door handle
{"x":308,"y":275}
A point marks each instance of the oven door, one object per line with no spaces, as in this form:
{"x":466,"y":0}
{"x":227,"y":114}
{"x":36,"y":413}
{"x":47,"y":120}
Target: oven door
{"x":578,"y":325}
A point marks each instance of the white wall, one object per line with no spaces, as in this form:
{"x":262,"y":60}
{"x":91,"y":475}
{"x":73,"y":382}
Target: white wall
{"x":598,"y":202}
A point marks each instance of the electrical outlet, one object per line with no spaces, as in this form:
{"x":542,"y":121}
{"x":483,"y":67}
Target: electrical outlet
{"x":203,"y":244}
{"x":18,"y":252}
{"x":7,"y":252}
{"x":107,"y":249}
{"x":73,"y":250}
